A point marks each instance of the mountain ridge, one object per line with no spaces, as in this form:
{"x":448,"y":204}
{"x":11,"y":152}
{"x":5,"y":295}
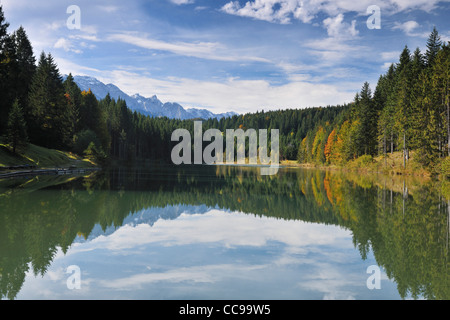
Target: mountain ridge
{"x":148,"y":106}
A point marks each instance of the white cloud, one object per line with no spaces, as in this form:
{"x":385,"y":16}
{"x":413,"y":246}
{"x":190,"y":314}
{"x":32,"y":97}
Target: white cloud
{"x":336,"y":27}
{"x":425,"y":5}
{"x":66,"y":45}
{"x":283,"y":11}
{"x":406,"y":27}
{"x":180,"y":2}
{"x":198,"y":274}
{"x":278,"y":11}
{"x":204,"y":50}
{"x":234,"y":94}
{"x":222,"y":228}
{"x":390,"y":55}
{"x":386,"y":66}
{"x":109,"y":9}
{"x":333,"y":50}
{"x":66,"y":66}
{"x":411,"y":29}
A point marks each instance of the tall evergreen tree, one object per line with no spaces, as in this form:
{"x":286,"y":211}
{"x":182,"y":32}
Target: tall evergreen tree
{"x":51,"y":121}
{"x":417,"y":68}
{"x":73,"y":100}
{"x":5,"y":42}
{"x":16,"y":129}
{"x":403,"y":102}
{"x":434,"y":44}
{"x":26,"y":67}
{"x":383,"y":102}
{"x":441,"y":86}
{"x":93,"y":117}
{"x":366,"y":112}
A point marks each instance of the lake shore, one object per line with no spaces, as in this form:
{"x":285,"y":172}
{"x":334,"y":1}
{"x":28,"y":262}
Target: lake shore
{"x":392,"y":165}
{"x":35,"y":160}
{"x":48,"y":171}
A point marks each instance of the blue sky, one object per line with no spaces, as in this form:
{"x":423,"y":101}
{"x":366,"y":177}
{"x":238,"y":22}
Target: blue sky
{"x":213,"y":255}
{"x":227,"y":55}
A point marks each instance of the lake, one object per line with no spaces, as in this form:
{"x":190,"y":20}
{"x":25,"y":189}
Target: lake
{"x":223,"y":232}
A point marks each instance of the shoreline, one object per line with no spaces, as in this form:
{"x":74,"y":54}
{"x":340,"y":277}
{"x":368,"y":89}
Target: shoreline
{"x":46,"y":171}
{"x":374,"y":168}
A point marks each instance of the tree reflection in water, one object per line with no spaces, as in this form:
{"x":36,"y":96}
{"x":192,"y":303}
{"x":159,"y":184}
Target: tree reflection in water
{"x":405,"y":223}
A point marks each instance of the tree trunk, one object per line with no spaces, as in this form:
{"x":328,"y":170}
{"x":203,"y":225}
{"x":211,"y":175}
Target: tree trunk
{"x":448,"y":220}
{"x":392,"y":143}
{"x":14,"y":145}
{"x":404,"y":150}
{"x":448,"y":127}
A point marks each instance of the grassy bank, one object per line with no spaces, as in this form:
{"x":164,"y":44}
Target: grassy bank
{"x":40,"y":157}
{"x":392,"y":164}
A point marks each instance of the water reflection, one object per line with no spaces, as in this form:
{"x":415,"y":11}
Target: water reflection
{"x":223,"y":232}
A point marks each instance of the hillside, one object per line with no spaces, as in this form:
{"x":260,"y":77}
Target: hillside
{"x":40,"y":158}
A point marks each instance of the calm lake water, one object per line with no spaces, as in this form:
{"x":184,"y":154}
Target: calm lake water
{"x":222,"y":232}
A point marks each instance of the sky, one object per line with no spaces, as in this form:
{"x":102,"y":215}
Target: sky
{"x":213,"y":255}
{"x":223,"y":55}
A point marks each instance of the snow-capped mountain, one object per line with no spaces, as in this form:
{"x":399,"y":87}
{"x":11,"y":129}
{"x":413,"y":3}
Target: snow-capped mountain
{"x":148,"y":106}
{"x":149,"y":216}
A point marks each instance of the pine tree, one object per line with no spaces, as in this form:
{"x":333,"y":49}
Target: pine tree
{"x":383,"y":104}
{"x":5,"y":42}
{"x":73,"y":100}
{"x":402,"y":102}
{"x":9,"y":71}
{"x":16,"y":128}
{"x":417,"y":68}
{"x":26,"y":67}
{"x":433,"y":46}
{"x":441,"y":86}
{"x":51,"y":121}
{"x":3,"y":35}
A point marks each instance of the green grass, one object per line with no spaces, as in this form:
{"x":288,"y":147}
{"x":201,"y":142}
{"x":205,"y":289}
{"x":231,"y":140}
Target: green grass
{"x":391,"y":165}
{"x":41,"y":157}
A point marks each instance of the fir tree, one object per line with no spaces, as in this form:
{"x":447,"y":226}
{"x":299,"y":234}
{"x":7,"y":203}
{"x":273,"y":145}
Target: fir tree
{"x":73,"y":99}
{"x":441,"y":87}
{"x":402,"y":102}
{"x":51,"y":121}
{"x":5,"y":102}
{"x":26,"y":67}
{"x":16,"y":129}
{"x":433,"y":46}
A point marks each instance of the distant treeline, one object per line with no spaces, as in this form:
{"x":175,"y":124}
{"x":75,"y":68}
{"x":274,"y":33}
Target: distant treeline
{"x":409,"y":110}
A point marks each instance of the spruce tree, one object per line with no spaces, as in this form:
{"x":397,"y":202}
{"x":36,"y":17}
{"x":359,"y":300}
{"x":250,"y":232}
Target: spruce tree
{"x":441,"y":86}
{"x":434,"y":44}
{"x":5,"y":102}
{"x":73,"y":100}
{"x":51,"y":121}
{"x":403,"y":109}
{"x":417,"y":68}
{"x":16,"y":128}
{"x":26,"y":67}
{"x":366,"y":114}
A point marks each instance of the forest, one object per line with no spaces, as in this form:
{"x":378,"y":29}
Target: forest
{"x":408,"y":112}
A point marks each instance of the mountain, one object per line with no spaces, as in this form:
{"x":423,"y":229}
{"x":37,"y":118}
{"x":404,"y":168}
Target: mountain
{"x":148,"y":216}
{"x":148,"y":106}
